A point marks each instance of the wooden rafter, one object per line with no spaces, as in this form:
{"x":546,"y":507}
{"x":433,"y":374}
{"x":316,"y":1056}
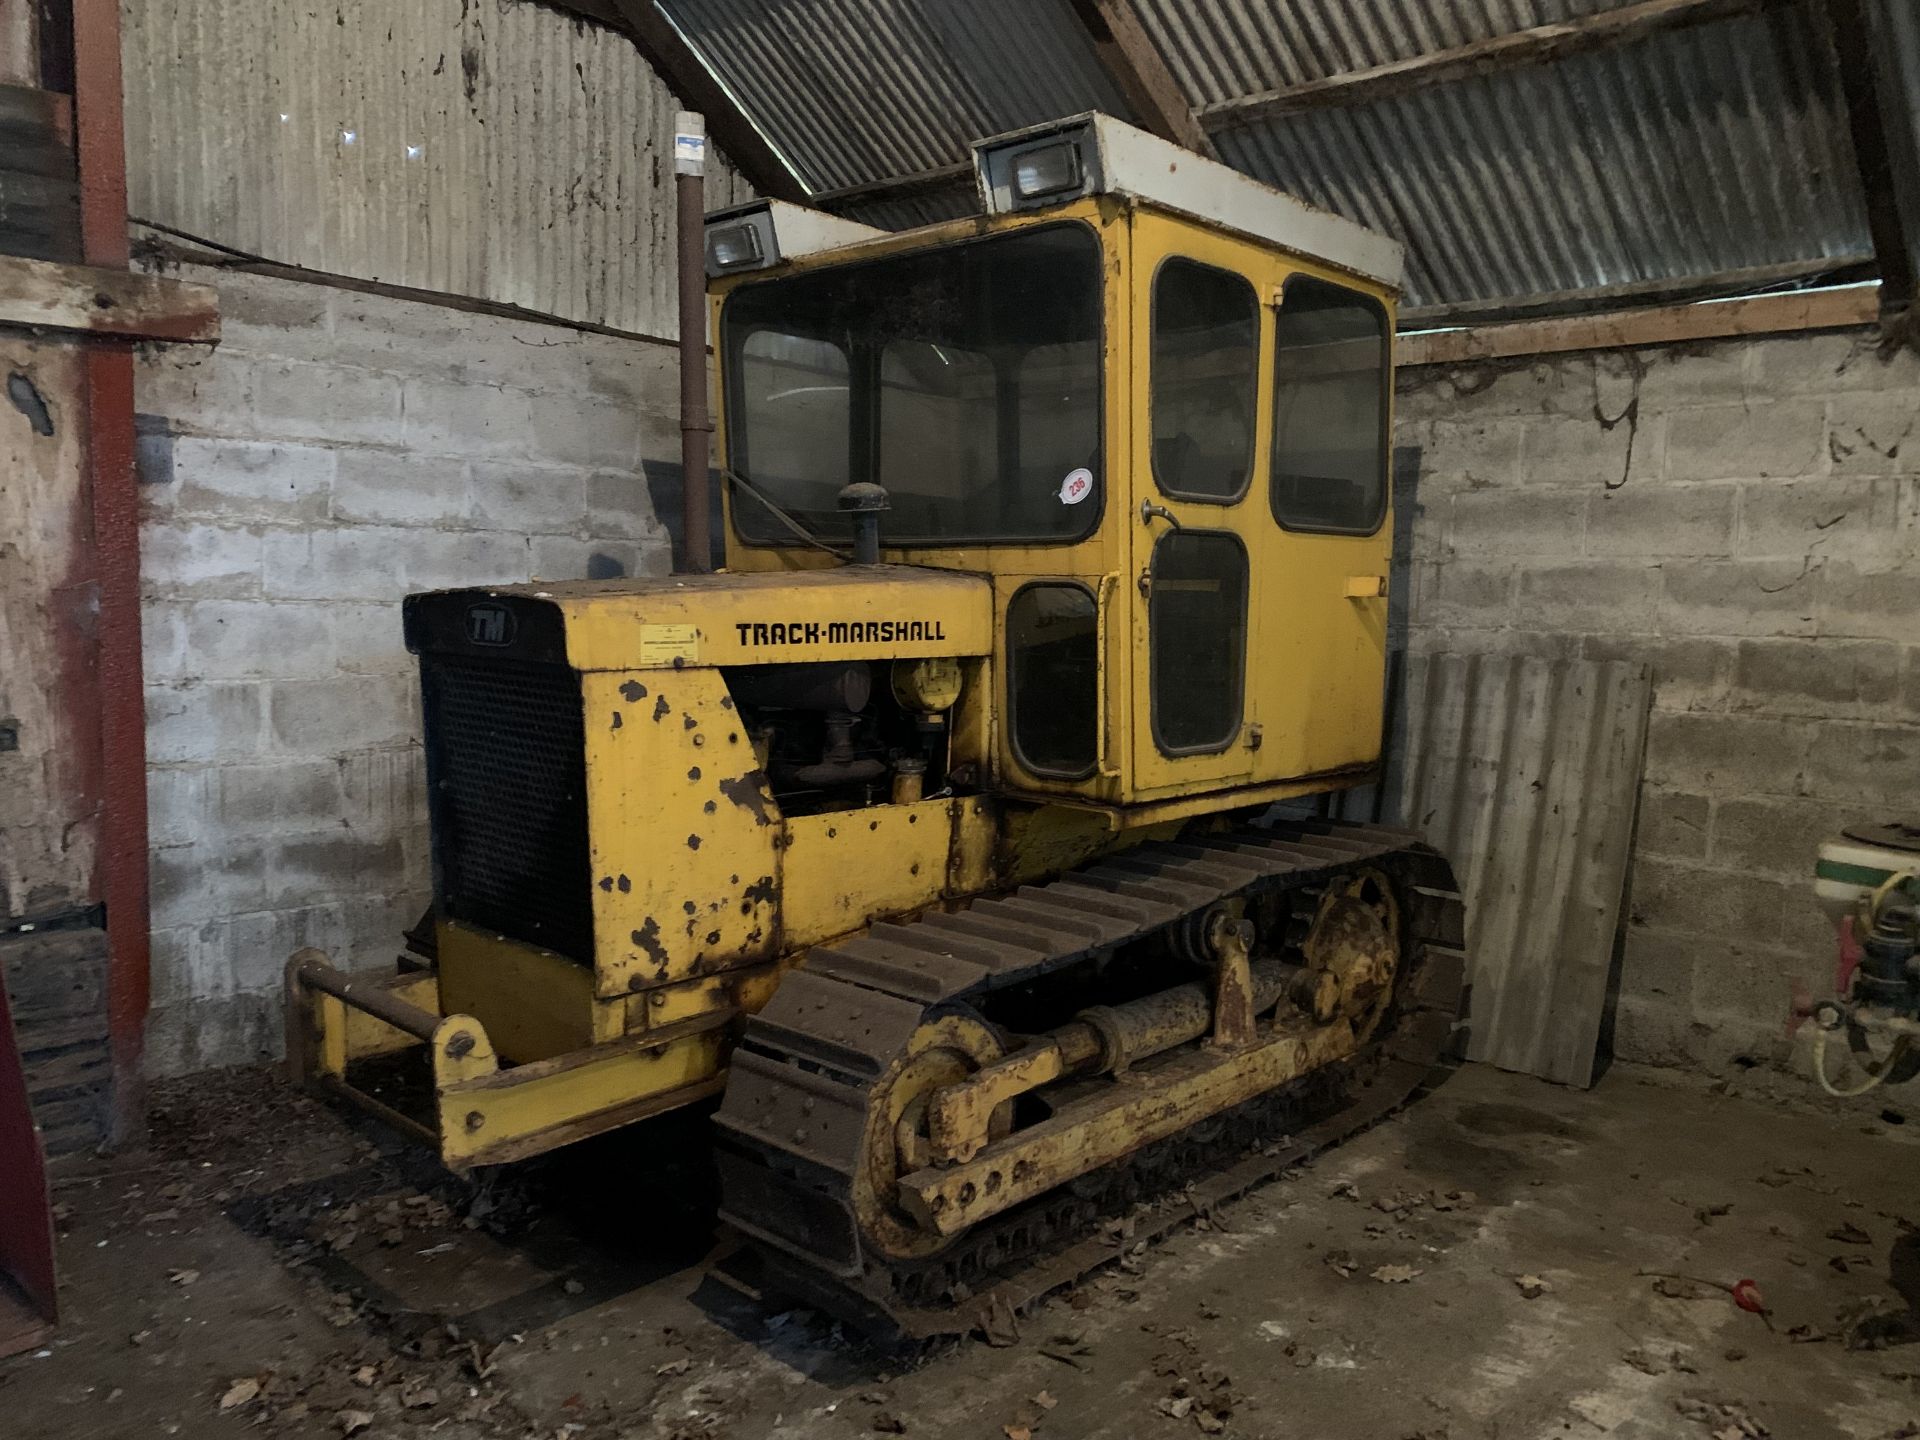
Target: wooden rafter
{"x":1134,"y":62}
{"x":688,"y":76}
{"x":1483,"y":57}
{"x":1883,"y":150}
{"x":1625,"y":329}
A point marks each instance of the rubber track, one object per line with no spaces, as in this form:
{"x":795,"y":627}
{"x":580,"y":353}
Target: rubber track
{"x":795,"y":1105}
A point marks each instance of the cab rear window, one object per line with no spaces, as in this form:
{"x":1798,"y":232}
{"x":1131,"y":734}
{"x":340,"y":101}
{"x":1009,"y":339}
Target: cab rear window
{"x":1329,"y":409}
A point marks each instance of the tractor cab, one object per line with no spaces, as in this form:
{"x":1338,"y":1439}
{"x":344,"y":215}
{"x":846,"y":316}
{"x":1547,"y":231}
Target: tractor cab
{"x":1146,"y":399}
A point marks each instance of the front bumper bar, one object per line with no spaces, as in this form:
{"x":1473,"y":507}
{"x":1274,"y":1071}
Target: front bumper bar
{"x":483,"y":1113}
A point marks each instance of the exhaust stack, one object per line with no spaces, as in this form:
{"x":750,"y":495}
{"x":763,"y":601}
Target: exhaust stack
{"x":689,"y":171}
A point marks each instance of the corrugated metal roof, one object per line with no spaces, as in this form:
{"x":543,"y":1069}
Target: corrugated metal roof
{"x":495,"y":150}
{"x":852,"y":91}
{"x":1691,"y":154}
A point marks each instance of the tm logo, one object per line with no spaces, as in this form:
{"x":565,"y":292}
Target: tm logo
{"x":489,"y":624}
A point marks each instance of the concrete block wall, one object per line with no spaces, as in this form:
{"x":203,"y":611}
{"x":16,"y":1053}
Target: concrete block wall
{"x":1745,"y":517}
{"x":336,"y":451}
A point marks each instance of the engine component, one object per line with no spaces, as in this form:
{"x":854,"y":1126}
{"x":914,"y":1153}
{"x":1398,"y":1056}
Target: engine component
{"x":928,"y":686}
{"x":822,"y":685}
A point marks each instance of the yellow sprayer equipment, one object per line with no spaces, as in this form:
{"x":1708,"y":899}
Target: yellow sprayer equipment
{"x":933,"y":833}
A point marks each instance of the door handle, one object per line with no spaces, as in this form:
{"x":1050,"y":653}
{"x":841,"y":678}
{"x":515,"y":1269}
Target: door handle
{"x":1149,"y":512}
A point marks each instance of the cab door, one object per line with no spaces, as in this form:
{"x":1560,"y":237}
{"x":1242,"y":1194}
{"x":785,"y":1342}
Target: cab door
{"x":1324,"y":534}
{"x":1260,"y":536}
{"x":1198,"y":436}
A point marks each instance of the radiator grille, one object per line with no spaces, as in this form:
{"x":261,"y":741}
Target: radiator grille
{"x":507,"y":780}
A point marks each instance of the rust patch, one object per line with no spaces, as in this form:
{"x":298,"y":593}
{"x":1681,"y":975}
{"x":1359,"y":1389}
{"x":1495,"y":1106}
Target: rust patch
{"x":625,"y":884}
{"x":606,"y":883}
{"x":693,"y":842}
{"x":647,"y":937}
{"x":632,"y":691}
{"x":687,"y":722}
{"x":618,"y":720}
{"x":761,"y":892}
{"x":726,"y":702}
{"x":660,"y":708}
{"x":750,"y":793}
{"x":713,"y":937}
{"x":694,"y":773}
{"x":688,"y":906}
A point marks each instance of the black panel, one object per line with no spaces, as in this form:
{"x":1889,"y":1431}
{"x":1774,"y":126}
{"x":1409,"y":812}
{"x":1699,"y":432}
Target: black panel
{"x":507,"y":786}
{"x":486,"y":625}
{"x":1197,"y":635}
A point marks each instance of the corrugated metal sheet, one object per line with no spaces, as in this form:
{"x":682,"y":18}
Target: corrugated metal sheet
{"x":1691,"y":154}
{"x":1899,"y":29}
{"x":478,"y":147}
{"x":852,"y":91}
{"x":1524,"y":772}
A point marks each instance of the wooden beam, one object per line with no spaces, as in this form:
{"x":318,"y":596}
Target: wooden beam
{"x":1519,"y":48}
{"x":1639,"y":294}
{"x":1882,"y":149}
{"x":1666,"y":325}
{"x":1134,"y":63}
{"x":94,"y":300}
{"x":698,"y":88}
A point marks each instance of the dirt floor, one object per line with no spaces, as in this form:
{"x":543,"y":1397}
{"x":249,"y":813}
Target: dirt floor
{"x":1505,"y":1259}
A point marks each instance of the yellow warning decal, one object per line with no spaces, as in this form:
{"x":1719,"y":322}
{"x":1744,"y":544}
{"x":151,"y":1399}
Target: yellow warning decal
{"x":663,"y":644}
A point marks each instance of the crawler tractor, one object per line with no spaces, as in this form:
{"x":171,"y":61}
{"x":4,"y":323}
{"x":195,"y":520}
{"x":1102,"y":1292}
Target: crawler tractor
{"x":934,"y":833}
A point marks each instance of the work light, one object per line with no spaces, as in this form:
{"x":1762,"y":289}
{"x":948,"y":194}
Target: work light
{"x":733,"y":247}
{"x":1051,"y":169}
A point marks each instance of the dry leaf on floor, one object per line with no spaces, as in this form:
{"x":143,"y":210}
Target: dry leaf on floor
{"x":1850,"y":1234}
{"x":674,"y":1367}
{"x":183,"y":1277}
{"x":353,"y":1421}
{"x":1341,"y":1261}
{"x":1045,"y":1400}
{"x":1017,"y":1432}
{"x":1395,"y":1274}
{"x":1209,"y":1422}
{"x":1532,"y":1287}
{"x":365,"y":1375}
{"x":239,"y":1393}
{"x":1643,"y":1362}
{"x":1177,"y":1406}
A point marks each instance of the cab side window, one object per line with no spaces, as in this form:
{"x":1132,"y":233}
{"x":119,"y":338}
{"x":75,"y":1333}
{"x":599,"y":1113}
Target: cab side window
{"x":1206,"y":327}
{"x":1329,"y":409}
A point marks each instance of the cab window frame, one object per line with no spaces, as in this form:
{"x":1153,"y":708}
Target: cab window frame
{"x":1057,"y":582}
{"x":1239,"y":704}
{"x":732,"y":398}
{"x":1384,"y":493}
{"x":1253,"y":382}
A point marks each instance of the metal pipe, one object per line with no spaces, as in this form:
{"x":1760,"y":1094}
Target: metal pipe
{"x":689,"y":169}
{"x":314,"y":971}
{"x":1108,"y":1038}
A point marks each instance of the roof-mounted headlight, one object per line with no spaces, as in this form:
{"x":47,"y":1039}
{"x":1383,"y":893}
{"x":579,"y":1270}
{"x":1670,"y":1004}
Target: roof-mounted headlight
{"x":1046,"y":171}
{"x":734,"y":247}
{"x":1046,"y":165}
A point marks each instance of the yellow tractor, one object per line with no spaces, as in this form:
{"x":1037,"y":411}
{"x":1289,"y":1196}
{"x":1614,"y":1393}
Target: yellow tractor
{"x":934,"y":833}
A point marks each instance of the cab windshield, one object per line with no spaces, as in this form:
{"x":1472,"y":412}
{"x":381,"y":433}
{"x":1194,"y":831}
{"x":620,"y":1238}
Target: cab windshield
{"x":965,"y":379}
